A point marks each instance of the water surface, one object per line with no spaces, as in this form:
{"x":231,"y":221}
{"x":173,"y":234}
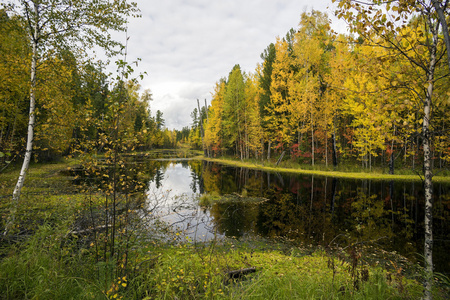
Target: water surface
{"x":309,"y":210}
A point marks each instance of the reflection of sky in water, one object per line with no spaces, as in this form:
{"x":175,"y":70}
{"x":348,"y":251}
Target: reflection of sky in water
{"x":176,"y":179}
{"x":178,"y":203}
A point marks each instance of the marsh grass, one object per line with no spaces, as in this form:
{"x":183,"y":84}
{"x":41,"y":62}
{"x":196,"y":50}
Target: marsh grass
{"x":47,"y":261}
{"x":186,"y":271}
{"x":47,"y":266}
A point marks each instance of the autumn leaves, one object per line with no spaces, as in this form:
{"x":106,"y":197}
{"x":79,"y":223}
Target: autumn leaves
{"x":318,"y":94}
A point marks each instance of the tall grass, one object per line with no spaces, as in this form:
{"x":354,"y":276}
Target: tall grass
{"x":47,"y":266}
{"x":189,"y":272}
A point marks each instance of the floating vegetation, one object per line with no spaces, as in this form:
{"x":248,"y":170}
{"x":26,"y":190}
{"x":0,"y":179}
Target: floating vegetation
{"x":206,"y":199}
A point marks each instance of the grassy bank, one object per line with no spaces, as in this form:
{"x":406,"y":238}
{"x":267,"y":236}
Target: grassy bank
{"x":47,"y":257}
{"x":41,"y":269}
{"x":189,"y":271}
{"x":342,"y":172}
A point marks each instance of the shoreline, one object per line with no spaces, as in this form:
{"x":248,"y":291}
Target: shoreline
{"x":335,"y":174}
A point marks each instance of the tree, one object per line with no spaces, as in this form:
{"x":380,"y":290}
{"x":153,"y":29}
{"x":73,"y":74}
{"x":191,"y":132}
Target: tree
{"x":214,"y":126}
{"x":52,"y":25}
{"x":55,"y":116}
{"x":14,"y":58}
{"x":234,"y":110}
{"x":253,"y":128}
{"x":340,"y":63}
{"x":278,"y":118}
{"x":365,"y":103}
{"x":379,"y":23}
{"x":159,"y":120}
{"x":311,"y":41}
{"x":265,"y":78}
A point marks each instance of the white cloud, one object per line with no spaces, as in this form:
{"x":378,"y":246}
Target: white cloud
{"x":186,"y":46}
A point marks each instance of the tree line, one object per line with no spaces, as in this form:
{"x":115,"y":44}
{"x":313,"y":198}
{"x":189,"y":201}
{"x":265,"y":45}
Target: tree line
{"x":324,"y":97}
{"x":76,"y":101}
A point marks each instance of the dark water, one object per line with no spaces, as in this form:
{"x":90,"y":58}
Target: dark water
{"x":306,"y":209}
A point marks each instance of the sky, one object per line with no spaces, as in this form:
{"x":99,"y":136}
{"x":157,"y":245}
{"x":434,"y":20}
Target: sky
{"x":186,"y":46}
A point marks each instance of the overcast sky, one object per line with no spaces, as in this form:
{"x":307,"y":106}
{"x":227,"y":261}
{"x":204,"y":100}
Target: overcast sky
{"x":186,"y":46}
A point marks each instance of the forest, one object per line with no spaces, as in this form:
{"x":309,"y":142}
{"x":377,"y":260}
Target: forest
{"x":329,"y":98}
{"x":80,"y":149}
{"x":317,"y":96}
{"x":76,"y":101}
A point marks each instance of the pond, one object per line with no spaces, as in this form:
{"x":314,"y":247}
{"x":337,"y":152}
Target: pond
{"x":309,"y":210}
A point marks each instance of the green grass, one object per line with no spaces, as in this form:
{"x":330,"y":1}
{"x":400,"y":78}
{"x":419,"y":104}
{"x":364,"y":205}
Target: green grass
{"x":48,"y":262}
{"x":47,"y":266}
{"x":200,"y":272}
{"x":350,"y":172}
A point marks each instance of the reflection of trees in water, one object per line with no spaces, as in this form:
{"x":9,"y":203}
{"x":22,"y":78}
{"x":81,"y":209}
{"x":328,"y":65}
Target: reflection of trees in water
{"x":288,"y":215}
{"x":234,"y":218}
{"x":318,"y":209}
{"x":155,"y":171}
{"x":159,"y":177}
{"x":196,"y":175}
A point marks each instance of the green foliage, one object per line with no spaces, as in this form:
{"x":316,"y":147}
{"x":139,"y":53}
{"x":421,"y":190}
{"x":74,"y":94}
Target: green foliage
{"x":265,"y":78}
{"x":14,"y":57}
{"x":48,"y":266}
{"x":185,"y":271}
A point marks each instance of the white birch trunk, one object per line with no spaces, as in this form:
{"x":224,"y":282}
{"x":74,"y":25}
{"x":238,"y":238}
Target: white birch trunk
{"x":428,"y":174}
{"x":31,"y":122}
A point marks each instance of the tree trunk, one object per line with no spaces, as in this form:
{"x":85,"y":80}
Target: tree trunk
{"x":428,"y":187}
{"x":428,"y":174}
{"x":312,"y":144}
{"x":202,"y":133}
{"x":31,"y":122}
{"x":208,"y":149}
{"x":262,"y":149}
{"x":335,"y":161}
{"x":326,"y":148}
{"x":3,"y":126}
{"x":441,"y":17}
{"x":391,"y":159}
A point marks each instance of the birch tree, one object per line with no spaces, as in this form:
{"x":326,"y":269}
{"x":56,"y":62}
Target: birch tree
{"x":386,"y":21}
{"x":52,"y":25}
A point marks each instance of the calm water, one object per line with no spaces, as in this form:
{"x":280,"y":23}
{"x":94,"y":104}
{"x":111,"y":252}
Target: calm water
{"x":306,"y":209}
